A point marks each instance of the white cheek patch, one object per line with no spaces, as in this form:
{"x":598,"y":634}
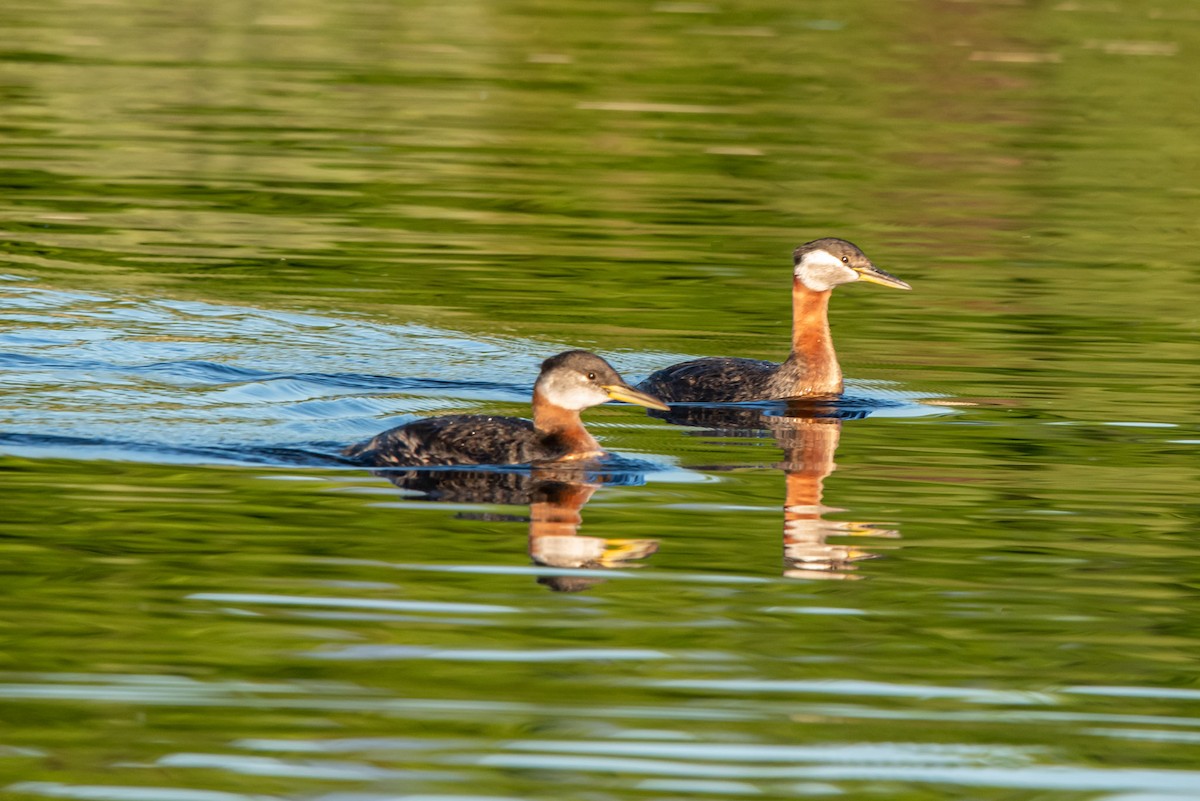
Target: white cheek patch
{"x":578,"y":398}
{"x":820,"y":270}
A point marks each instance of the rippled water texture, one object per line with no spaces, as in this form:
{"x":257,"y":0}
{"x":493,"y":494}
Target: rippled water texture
{"x":236,"y":237}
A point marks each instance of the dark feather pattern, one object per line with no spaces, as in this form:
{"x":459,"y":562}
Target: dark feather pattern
{"x":567,"y":384}
{"x":811,"y":369}
{"x":508,"y":487}
{"x":459,"y":439}
{"x":714,"y":380}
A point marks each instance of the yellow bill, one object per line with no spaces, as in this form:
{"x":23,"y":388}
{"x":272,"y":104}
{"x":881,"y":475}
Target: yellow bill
{"x":875,"y":275}
{"x":623,"y":392}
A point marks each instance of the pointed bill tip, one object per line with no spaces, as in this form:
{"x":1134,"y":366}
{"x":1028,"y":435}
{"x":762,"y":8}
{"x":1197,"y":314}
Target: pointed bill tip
{"x":875,"y":275}
{"x":628,"y":394}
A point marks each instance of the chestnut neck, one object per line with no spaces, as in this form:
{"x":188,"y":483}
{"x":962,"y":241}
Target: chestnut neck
{"x":812,"y":368}
{"x":564,"y":426}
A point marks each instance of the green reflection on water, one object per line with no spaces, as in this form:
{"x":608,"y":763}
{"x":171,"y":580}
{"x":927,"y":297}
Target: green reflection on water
{"x":626,"y":177}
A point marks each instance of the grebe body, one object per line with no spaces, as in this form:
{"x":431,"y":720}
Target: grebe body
{"x":811,"y":369}
{"x":568,"y":383}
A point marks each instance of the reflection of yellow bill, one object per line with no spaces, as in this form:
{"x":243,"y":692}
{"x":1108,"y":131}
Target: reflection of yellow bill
{"x":628,"y":394}
{"x":618,"y":553}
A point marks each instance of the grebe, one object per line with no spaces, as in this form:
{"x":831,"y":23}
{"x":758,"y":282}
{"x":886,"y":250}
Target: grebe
{"x":569,"y":383}
{"x":812,"y":368}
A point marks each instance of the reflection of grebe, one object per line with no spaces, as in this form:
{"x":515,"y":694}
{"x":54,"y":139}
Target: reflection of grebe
{"x":812,"y":367}
{"x":569,"y":383}
{"x":809,"y":445}
{"x":808,"y":434}
{"x":556,"y":496}
{"x":554,"y":521}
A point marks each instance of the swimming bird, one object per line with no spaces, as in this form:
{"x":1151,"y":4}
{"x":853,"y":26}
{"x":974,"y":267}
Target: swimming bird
{"x":568,"y":383}
{"x":811,"y":370}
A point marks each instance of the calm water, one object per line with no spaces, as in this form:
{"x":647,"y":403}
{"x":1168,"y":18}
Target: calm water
{"x":239,"y":236}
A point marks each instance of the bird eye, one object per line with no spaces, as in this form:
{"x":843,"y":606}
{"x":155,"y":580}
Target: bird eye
{"x":845,"y":259}
{"x":591,"y":376}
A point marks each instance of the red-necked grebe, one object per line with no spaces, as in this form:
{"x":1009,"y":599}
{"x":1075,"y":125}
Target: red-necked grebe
{"x":569,"y":383}
{"x":812,"y":369}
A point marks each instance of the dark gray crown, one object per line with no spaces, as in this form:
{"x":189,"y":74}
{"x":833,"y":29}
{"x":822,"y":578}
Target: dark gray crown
{"x":584,"y":362}
{"x":834,"y":246}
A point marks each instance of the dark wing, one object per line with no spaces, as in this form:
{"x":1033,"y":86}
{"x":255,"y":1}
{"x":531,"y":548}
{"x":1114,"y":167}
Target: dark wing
{"x":453,"y":439}
{"x":723,"y":420}
{"x":718,"y":380}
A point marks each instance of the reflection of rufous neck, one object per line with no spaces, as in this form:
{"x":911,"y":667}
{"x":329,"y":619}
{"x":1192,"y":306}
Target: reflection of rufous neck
{"x":808,"y":446}
{"x":554,"y":522}
{"x":808,"y":449}
{"x":560,"y":514}
{"x":555,"y":515}
{"x":813,"y":360}
{"x":564,"y":425}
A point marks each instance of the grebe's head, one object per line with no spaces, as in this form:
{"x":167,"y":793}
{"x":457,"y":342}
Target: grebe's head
{"x":577,"y":379}
{"x":825,"y":263}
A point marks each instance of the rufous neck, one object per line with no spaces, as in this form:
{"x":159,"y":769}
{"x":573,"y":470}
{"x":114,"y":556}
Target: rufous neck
{"x":812,"y":341}
{"x":810,"y":319}
{"x":553,"y":420}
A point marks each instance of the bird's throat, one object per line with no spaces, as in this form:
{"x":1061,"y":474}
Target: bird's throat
{"x":812,"y":368}
{"x":564,"y":427}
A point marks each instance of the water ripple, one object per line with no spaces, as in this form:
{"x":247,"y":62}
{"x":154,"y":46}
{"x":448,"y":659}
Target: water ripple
{"x":190,"y":382}
{"x":860,"y":689}
{"x":1031,"y":777}
{"x":407,"y":652}
{"x":857,"y":753}
{"x":304,"y":769}
{"x":97,"y":792}
{"x":353,"y":603}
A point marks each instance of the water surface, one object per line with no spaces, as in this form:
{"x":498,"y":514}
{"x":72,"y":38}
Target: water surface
{"x":237,"y":237}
